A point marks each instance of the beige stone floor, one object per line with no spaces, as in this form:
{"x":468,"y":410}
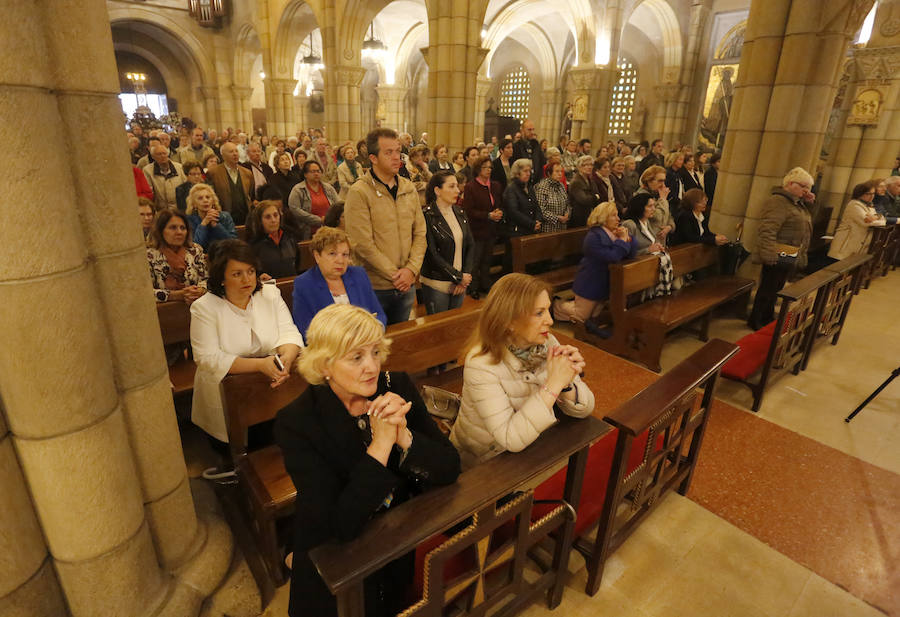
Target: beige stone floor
{"x":685,"y":561}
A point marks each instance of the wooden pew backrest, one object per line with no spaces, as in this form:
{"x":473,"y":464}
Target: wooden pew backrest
{"x":541,"y":247}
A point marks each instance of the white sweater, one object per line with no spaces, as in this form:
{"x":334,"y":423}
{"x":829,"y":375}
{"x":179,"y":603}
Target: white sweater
{"x":502,"y":407}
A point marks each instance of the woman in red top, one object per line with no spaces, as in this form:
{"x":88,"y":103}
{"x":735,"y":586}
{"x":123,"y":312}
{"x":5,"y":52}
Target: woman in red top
{"x":483,"y":204}
{"x":311,"y":199}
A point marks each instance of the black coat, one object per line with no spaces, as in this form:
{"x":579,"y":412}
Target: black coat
{"x":438,"y":262}
{"x":531,"y":149}
{"x":283,"y":183}
{"x":649,"y":160}
{"x":688,"y":181}
{"x":278,"y":261}
{"x":687,"y":229}
{"x":521,"y":209}
{"x":498,"y":174}
{"x":709,"y":185}
{"x":340,"y":487}
{"x":583,"y":198}
{"x":674,"y":183}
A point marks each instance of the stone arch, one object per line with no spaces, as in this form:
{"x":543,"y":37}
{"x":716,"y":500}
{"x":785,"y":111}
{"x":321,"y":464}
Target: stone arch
{"x":410,"y":43}
{"x":671,"y":47}
{"x":247,"y":48}
{"x":173,"y":35}
{"x":297,"y":21}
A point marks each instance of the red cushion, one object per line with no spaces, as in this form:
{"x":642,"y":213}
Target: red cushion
{"x":596,"y":478}
{"x":754,"y":349}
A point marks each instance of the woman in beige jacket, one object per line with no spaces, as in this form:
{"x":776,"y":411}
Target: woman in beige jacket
{"x":853,"y":234}
{"x":516,"y":374}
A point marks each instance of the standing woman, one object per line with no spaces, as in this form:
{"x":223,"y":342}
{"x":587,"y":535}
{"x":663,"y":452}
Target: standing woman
{"x":854,"y":233}
{"x":458,"y":162}
{"x":178,"y":267}
{"x":691,"y":178}
{"x":311,"y":199}
{"x":674,"y":181}
{"x":238,"y":327}
{"x":285,"y":178}
{"x":449,"y":256}
{"x":582,"y":195}
{"x":523,"y":215}
{"x":357,"y":442}
{"x":275,"y":247}
{"x":570,"y":159}
{"x":208,"y":223}
{"x":552,"y":198}
{"x":653,"y":182}
{"x":516,"y":374}
{"x":441,"y":159}
{"x":502,"y":171}
{"x":483,"y":204}
{"x":602,"y":184}
{"x":418,"y":171}
{"x":619,"y":183}
{"x":349,"y":170}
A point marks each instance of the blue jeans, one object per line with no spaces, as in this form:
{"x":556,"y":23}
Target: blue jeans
{"x":438,"y":302}
{"x":396,"y":304}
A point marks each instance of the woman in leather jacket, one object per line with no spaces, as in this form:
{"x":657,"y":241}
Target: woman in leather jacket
{"x":449,"y":256}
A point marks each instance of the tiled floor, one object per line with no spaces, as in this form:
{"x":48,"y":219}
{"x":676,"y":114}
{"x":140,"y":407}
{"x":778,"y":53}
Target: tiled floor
{"x":686,"y":561}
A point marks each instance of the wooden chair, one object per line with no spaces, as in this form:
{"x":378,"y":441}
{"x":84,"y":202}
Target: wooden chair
{"x":563,"y":246}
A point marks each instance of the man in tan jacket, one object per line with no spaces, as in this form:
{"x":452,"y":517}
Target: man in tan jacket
{"x":785,"y":229}
{"x":386,"y":226}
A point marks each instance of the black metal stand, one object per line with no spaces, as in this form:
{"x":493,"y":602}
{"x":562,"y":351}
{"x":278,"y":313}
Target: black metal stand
{"x":894,"y":374}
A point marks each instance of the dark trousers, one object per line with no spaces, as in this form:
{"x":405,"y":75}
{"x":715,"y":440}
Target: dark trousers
{"x":771,"y":280}
{"x":396,"y":304}
{"x":483,"y":252}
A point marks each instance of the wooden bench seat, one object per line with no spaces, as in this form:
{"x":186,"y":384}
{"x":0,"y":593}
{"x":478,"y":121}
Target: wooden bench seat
{"x":566,"y":247}
{"x":639,"y":331}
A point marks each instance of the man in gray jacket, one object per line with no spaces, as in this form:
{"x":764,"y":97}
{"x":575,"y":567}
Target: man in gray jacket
{"x":386,"y":226}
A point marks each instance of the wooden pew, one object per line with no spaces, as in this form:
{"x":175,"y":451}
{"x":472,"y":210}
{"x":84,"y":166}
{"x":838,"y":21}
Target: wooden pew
{"x":882,"y":249}
{"x":639,"y":331}
{"x":175,"y":327}
{"x":673,"y":412}
{"x":241,"y":232}
{"x":267,"y":493}
{"x":343,"y":567}
{"x":566,"y":246}
{"x":786,"y":342}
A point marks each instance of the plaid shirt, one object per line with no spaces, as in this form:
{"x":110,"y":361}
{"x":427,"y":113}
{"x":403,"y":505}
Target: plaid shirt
{"x":554,"y":202}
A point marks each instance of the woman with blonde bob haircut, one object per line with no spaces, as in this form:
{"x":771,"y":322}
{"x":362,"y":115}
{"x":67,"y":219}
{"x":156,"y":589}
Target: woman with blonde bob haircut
{"x":208,"y":222}
{"x":516,"y":374}
{"x":356,"y":442}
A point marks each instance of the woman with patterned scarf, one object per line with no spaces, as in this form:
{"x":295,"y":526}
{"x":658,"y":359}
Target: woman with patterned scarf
{"x":517,"y":375}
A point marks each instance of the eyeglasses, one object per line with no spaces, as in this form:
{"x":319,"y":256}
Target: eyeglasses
{"x":803,"y":186}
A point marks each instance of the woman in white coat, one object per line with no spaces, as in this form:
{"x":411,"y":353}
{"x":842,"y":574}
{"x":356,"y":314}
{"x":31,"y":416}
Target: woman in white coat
{"x":516,"y":373}
{"x":853,"y":234}
{"x":239,"y":327}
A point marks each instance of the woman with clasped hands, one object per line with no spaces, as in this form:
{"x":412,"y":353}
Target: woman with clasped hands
{"x":357,"y":442}
{"x":516,"y":374}
{"x":238,"y":327}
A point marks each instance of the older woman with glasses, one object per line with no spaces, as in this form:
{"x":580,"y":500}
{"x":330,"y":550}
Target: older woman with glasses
{"x":854,"y":232}
{"x":311,"y":199}
{"x":785,"y":228}
{"x":582,"y":193}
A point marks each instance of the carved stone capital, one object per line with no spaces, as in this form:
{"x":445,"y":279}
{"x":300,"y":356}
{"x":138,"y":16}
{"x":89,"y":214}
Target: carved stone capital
{"x":482,"y":87}
{"x":586,"y":78}
{"x":667,"y":92}
{"x":348,"y":75}
{"x":391,"y":93}
{"x":877,"y":63}
{"x":242,"y":92}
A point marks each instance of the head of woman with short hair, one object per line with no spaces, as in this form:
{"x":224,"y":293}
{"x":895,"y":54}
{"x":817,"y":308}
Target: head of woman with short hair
{"x":193,"y":171}
{"x":170,"y":230}
{"x":232,"y":271}
{"x":602,"y":215}
{"x":338,"y":333}
{"x":283,"y":162}
{"x":653,"y":178}
{"x":601,"y":167}
{"x":798,"y":175}
{"x":508,"y":315}
{"x":865,"y":191}
{"x":640,"y":207}
{"x":585,"y":165}
{"x":521,"y":170}
{"x":264,"y":219}
{"x":210,"y":163}
{"x":675,"y":160}
{"x":201,"y":198}
{"x":694,"y":200}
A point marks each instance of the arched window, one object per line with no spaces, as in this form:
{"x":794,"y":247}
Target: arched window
{"x":515,"y":91}
{"x":622,"y":104}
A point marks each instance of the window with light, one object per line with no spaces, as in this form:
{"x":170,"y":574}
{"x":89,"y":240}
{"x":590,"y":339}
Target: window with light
{"x":515,"y":91}
{"x":622,"y":104}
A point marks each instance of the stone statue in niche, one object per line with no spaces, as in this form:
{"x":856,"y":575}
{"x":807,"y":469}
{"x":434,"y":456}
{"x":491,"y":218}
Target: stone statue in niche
{"x":567,"y":120}
{"x":580,"y":108}
{"x":638,"y":118}
{"x":490,"y":107}
{"x":866,"y":108}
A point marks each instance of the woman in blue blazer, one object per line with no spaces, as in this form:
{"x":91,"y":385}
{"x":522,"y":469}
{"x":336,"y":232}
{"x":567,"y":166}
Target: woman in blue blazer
{"x":332,"y":280}
{"x":606,"y":242}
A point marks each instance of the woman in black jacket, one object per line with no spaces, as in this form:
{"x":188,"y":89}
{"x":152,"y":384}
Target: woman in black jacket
{"x":523,"y":214}
{"x":284,"y":178}
{"x":356,"y":443}
{"x":449,"y":255}
{"x":691,"y":224}
{"x":274,"y":244}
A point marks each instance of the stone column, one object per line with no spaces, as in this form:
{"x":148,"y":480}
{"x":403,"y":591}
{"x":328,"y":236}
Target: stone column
{"x":664,"y":123}
{"x":342,"y":117}
{"x":242,"y":107}
{"x":93,"y":425}
{"x":792,"y":57}
{"x":549,"y":123}
{"x":274,"y":107}
{"x":286,"y":86}
{"x":684,"y":114}
{"x":393,"y":102}
{"x":863,"y":152}
{"x":595,"y":84}
{"x":482,"y":88}
{"x":210,"y":98}
{"x":454,"y":56}
{"x":301,"y":109}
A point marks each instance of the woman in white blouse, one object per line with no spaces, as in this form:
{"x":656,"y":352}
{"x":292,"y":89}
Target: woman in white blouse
{"x":241,"y":326}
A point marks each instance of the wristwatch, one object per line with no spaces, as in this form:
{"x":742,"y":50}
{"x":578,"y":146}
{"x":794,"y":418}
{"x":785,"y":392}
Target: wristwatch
{"x":161,"y":295}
